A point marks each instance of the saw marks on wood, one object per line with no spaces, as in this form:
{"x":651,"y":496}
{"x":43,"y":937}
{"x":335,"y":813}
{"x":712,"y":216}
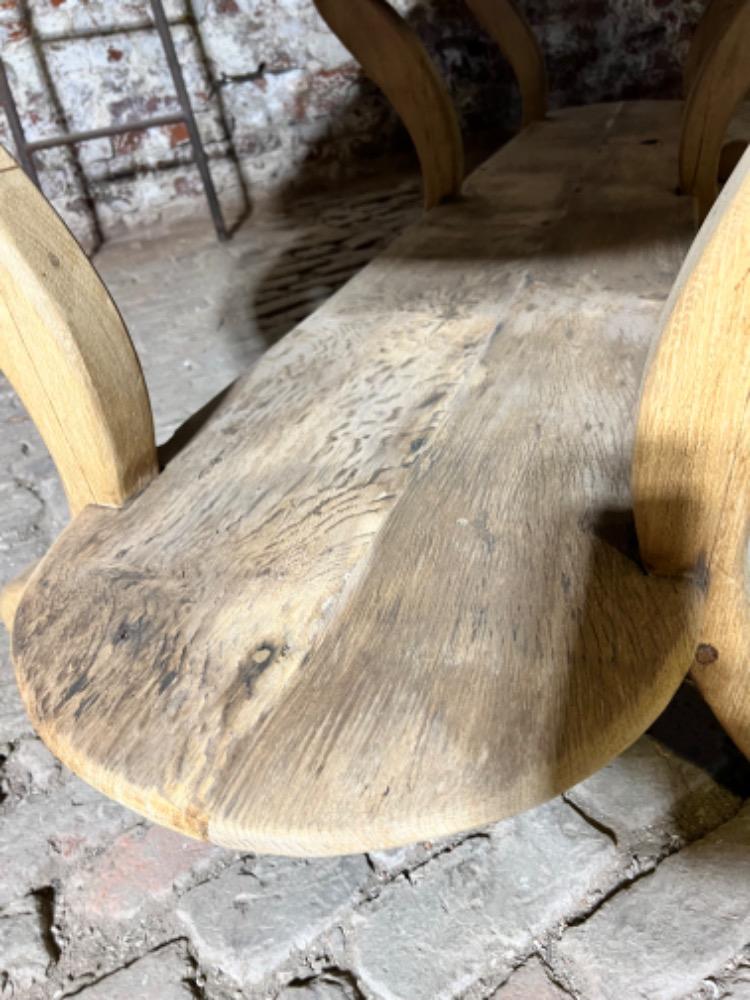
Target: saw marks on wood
{"x":391,"y":590}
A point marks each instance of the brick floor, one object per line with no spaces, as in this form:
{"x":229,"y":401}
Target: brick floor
{"x":635,"y":884}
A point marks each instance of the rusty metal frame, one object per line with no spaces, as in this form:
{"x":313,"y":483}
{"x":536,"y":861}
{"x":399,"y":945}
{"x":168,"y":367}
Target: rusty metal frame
{"x":25,"y":150}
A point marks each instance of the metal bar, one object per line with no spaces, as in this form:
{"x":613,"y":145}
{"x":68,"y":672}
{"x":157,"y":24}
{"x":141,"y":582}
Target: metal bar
{"x":23,"y":150}
{"x":106,"y":31}
{"x":107,"y":130}
{"x":199,"y":153}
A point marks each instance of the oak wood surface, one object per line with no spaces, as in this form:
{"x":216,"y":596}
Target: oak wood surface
{"x":504,"y":21}
{"x":391,"y":589}
{"x":719,"y":82}
{"x":692,"y":457}
{"x":391,"y":54}
{"x":66,"y":352}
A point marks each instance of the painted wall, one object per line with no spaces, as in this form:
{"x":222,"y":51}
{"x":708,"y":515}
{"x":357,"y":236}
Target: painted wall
{"x":280,"y":103}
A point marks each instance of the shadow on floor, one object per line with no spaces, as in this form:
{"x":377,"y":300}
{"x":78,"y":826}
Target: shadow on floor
{"x":689,"y":728}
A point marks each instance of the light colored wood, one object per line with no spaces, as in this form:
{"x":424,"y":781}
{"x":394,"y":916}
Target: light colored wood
{"x":65,"y":350}
{"x":721,"y":81}
{"x":391,"y":54}
{"x":390,"y":590}
{"x":10,"y":597}
{"x":691,"y":470}
{"x":503,"y":20}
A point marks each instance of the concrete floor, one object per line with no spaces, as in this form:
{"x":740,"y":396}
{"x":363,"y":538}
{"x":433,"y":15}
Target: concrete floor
{"x":635,"y":884}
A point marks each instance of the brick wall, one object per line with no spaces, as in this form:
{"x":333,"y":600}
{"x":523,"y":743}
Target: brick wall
{"x":272,"y":85}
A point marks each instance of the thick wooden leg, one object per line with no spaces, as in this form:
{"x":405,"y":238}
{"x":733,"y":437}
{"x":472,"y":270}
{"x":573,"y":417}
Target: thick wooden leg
{"x":719,"y":79}
{"x":691,"y":469}
{"x":509,"y":28}
{"x":392,"y":55}
{"x":65,"y":350}
{"x":710,"y":28}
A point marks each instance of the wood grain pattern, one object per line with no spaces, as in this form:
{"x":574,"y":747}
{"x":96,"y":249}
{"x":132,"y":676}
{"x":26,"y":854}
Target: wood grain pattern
{"x":392,"y":56}
{"x":66,"y":352}
{"x":391,"y":589}
{"x":503,"y":20}
{"x":721,"y":81}
{"x":10,"y":596}
{"x":692,"y":454}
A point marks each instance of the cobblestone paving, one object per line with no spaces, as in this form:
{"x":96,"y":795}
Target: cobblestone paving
{"x":635,"y":884}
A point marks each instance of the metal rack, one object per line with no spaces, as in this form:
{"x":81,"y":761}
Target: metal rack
{"x":25,"y":149}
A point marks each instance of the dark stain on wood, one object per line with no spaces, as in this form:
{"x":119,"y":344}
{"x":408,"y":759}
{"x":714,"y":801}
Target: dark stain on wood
{"x":78,"y":685}
{"x":433,"y":398}
{"x":85,"y":704}
{"x":168,"y":679}
{"x":256,"y":663}
{"x":706,"y":654}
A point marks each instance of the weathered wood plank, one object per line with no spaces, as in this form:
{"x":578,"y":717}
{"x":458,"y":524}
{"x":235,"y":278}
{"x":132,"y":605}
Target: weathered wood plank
{"x":390,"y":589}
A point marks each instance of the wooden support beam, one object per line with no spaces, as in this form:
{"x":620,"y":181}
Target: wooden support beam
{"x":719,"y":79}
{"x":392,"y":56}
{"x":66,"y":352}
{"x":691,"y":468}
{"x":503,"y":20}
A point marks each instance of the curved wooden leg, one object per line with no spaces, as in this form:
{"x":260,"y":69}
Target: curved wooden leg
{"x":67,"y":354}
{"x":721,"y":80}
{"x":691,"y":467}
{"x":710,"y":28}
{"x":391,"y":54}
{"x":508,"y":27}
